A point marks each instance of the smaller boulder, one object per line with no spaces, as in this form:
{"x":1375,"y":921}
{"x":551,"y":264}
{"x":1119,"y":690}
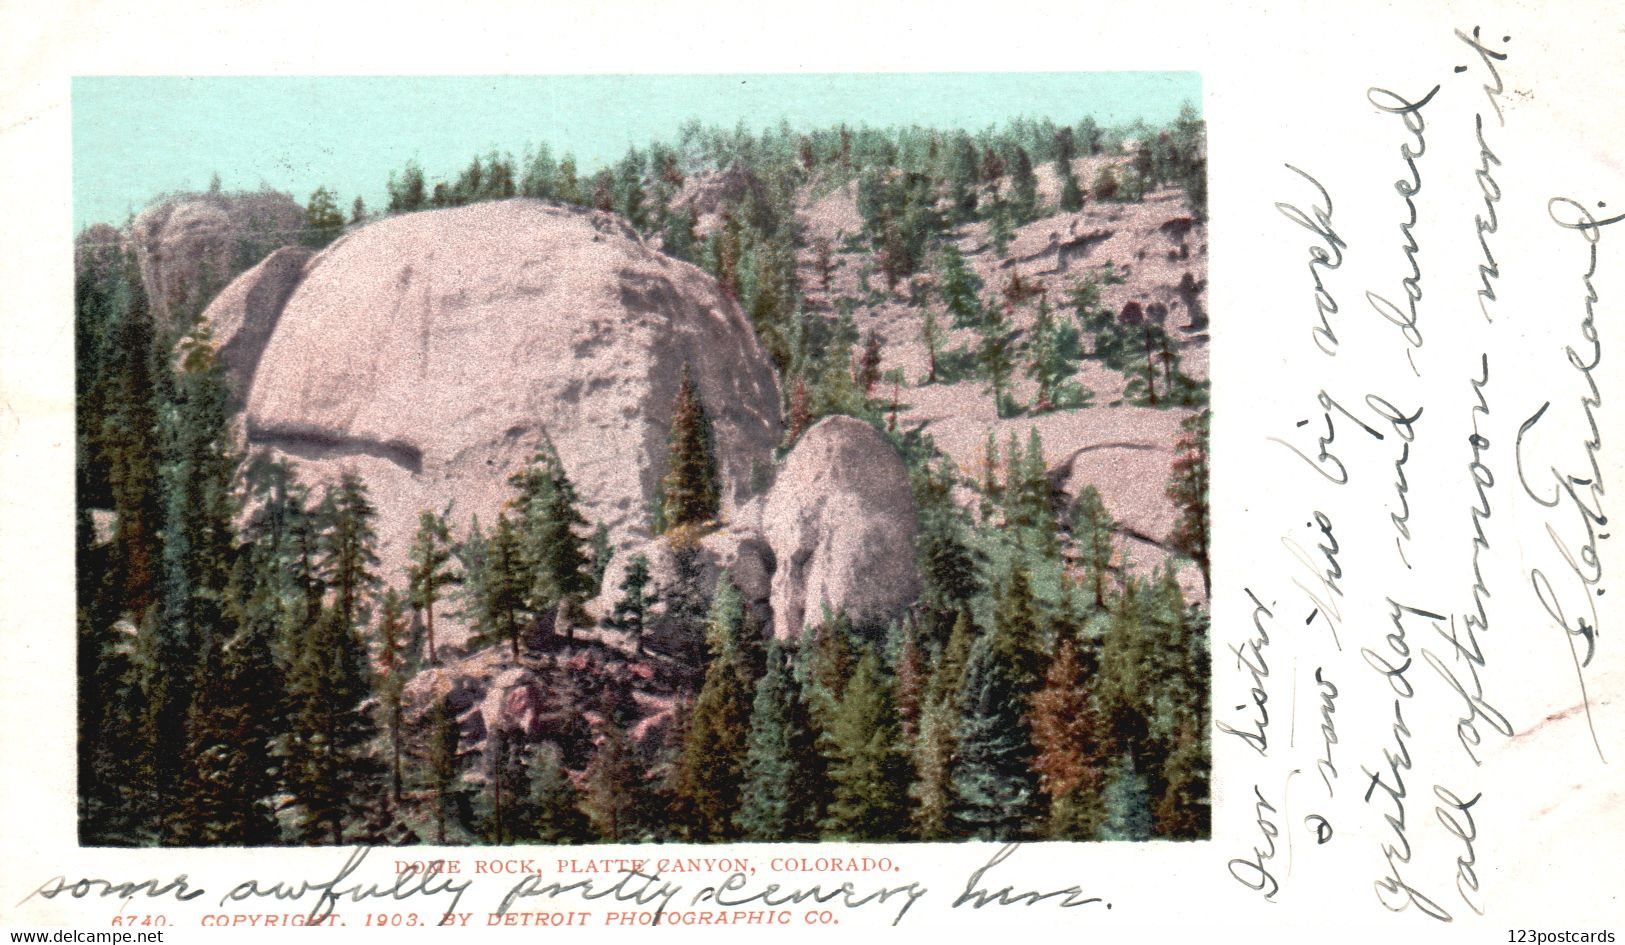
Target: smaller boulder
{"x":841,"y":526}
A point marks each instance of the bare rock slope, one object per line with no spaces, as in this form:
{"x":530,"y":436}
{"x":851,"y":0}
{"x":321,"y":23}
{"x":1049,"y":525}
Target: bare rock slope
{"x":841,"y":524}
{"x":242,"y":318}
{"x":434,"y":353}
{"x":191,"y":245}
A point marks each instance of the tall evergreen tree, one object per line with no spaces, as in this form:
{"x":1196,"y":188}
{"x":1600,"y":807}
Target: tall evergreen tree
{"x":630,"y":199}
{"x":1019,"y":632}
{"x":614,"y":786}
{"x":711,"y":769}
{"x":1023,"y":187}
{"x":1188,"y":489}
{"x":868,"y":367}
{"x":396,"y":667}
{"x":995,"y":794}
{"x":1127,"y":803}
{"x":1093,"y":533}
{"x":995,"y":356}
{"x":429,"y":571}
{"x":869,"y":771}
{"x":555,"y":553}
{"x":959,"y":289}
{"x":541,"y":172}
{"x":230,"y":726}
{"x":505,"y":582}
{"x":567,"y":188}
{"x":554,"y":800}
{"x":782,"y":764}
{"x":129,"y":439}
{"x":931,"y":337}
{"x":197,"y":478}
{"x":506,"y":802}
{"x":690,"y":486}
{"x":324,"y":221}
{"x":1071,"y":759}
{"x":631,"y":613}
{"x":330,"y":774}
{"x":442,"y":757}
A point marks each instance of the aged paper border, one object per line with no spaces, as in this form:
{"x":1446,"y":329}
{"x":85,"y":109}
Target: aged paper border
{"x":1281,"y":81}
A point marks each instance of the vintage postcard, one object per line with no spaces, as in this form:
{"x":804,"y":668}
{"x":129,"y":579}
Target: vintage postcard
{"x":1072,"y":487}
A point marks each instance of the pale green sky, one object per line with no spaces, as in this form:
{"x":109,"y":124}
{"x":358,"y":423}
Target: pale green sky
{"x":137,"y":137}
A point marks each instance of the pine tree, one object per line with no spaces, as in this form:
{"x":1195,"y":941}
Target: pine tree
{"x":868,"y":771}
{"x":992,"y":492}
{"x":1127,"y":803}
{"x":825,"y":662}
{"x":959,"y":289}
{"x":428,"y":570}
{"x":949,"y":566}
{"x":442,"y":755}
{"x":1109,"y":339}
{"x":554,"y":800}
{"x":908,"y":658}
{"x":129,"y":436}
{"x":1070,"y":758}
{"x":963,"y":179}
{"x":1106,"y":184}
{"x":1071,"y":192}
{"x":395,"y":662}
{"x":629,"y":196}
{"x":1051,"y":363}
{"x":230,"y":727}
{"x":690,"y":484}
{"x":540,"y":174}
{"x":711,"y":769}
{"x":631,"y":614}
{"x":678,"y":233}
{"x":1128,"y":673}
{"x":410,"y":193}
{"x":505,"y":583}
{"x":800,"y":415}
{"x":1182,"y":812}
{"x":324,"y":221}
{"x":783,"y":770}
{"x":556,"y":555}
{"x":331,"y":776}
{"x":1018,"y":631}
{"x":868,"y":373}
{"x":603,"y":191}
{"x":1023,"y":187}
{"x":1188,"y":489}
{"x":933,"y":756}
{"x":994,"y":354}
{"x":567,"y":189}
{"x":994,"y":791}
{"x":506,"y":811}
{"x":613,"y":786}
{"x":931,"y":337}
{"x":197,"y":478}
{"x":1093,"y":533}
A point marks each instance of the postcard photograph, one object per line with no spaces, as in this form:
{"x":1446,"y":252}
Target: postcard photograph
{"x":640,"y":459}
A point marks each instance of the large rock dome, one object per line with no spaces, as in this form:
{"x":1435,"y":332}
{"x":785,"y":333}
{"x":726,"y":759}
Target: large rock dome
{"x":435,"y":352}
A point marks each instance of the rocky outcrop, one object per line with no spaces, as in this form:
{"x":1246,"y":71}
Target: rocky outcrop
{"x":242,"y":317}
{"x":434,"y":353}
{"x":841,"y":525}
{"x":190,"y":246}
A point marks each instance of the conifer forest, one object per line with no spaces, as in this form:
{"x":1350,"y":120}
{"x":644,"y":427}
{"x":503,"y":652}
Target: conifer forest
{"x":840,"y":484}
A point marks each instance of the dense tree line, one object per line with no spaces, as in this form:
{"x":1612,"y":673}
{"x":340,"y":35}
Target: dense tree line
{"x":247,"y":676}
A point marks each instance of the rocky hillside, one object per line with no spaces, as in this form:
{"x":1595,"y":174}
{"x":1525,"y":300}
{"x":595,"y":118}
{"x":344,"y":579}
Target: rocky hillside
{"x":551,"y":484}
